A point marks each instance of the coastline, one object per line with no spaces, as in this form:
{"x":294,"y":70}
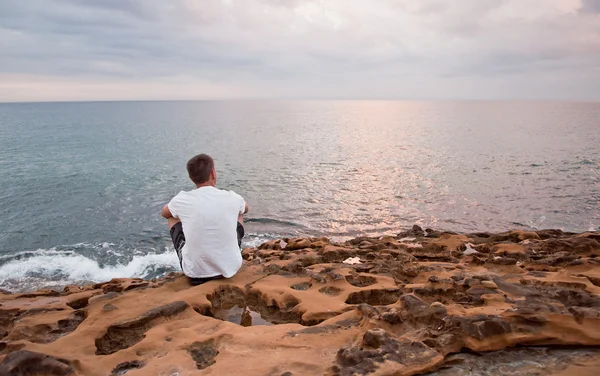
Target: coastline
{"x":404,"y":304}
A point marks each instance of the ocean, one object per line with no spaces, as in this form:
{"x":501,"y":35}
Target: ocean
{"x":82,"y":184}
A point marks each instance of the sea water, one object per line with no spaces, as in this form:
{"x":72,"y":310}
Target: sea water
{"x":82,"y":184}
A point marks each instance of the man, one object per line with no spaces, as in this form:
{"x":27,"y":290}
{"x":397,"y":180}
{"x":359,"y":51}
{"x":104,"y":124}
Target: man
{"x":206,"y":225}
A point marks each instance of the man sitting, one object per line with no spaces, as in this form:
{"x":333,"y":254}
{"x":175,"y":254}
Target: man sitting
{"x":206,"y":225}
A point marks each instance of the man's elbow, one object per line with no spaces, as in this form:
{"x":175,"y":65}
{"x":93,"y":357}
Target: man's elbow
{"x":165,"y":212}
{"x":246,"y":208}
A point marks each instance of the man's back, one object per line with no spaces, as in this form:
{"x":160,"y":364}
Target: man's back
{"x":209,"y":219}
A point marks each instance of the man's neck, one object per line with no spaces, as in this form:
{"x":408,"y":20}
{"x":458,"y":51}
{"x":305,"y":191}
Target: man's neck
{"x":207,"y":184}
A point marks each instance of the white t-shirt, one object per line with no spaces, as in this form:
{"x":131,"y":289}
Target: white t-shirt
{"x":209,"y":219}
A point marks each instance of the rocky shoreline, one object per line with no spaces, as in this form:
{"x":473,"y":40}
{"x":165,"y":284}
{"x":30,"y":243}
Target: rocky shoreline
{"x":409,"y":304}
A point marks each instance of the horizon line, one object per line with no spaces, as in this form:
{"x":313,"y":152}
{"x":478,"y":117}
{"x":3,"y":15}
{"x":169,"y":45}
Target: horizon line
{"x":306,"y":100}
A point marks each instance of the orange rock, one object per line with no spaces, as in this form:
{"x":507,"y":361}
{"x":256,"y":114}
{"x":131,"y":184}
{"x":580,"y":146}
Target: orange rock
{"x":300,"y":310}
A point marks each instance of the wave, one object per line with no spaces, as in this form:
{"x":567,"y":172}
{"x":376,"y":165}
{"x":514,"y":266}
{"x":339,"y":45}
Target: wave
{"x":53,"y":268}
{"x":272,"y":221}
{"x":92,"y":262}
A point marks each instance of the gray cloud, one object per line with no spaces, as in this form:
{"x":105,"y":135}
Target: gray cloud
{"x":311,"y":48}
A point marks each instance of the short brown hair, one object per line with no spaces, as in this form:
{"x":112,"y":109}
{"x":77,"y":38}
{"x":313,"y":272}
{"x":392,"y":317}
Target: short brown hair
{"x":199,"y":168}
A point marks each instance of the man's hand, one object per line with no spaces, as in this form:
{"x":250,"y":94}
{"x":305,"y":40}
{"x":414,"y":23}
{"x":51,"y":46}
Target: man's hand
{"x":165,"y":212}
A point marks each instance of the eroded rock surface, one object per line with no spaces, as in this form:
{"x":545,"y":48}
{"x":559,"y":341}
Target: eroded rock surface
{"x":422,"y":301}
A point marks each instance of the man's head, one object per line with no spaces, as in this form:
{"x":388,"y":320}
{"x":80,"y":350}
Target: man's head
{"x":201,"y":169}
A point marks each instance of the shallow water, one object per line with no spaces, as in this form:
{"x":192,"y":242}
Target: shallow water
{"x":243,"y":316}
{"x":82,"y":183}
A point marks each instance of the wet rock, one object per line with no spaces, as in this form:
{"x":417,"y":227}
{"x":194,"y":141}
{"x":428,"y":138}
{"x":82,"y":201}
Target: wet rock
{"x":203,"y":353}
{"x":28,"y":363}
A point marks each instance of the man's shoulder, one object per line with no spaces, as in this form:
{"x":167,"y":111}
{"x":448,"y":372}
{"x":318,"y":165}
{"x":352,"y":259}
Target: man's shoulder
{"x":227,"y":193}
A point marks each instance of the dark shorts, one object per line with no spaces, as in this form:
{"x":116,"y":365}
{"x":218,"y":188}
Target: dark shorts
{"x":179,"y":240}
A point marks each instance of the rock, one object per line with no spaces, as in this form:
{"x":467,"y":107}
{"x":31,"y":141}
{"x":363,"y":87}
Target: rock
{"x":573,"y":245}
{"x":203,"y":353}
{"x":403,"y":311}
{"x":47,"y":332}
{"x":127,"y":333}
{"x":502,"y":260}
{"x":412,"y":304}
{"x":392,"y":317}
{"x":296,"y":244}
{"x":416,"y":230}
{"x":380,"y":347}
{"x":489,"y":285}
{"x":374,"y":296}
{"x":352,"y":261}
{"x":486,"y":328}
{"x":375,"y":338}
{"x":122,"y":368}
{"x":108,"y":307}
{"x":28,"y":363}
{"x":523,"y":235}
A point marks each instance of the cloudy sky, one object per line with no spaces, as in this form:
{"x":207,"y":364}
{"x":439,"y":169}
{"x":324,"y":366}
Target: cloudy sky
{"x":52,"y":50}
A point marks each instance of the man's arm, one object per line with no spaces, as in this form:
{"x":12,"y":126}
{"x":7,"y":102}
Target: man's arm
{"x":245,"y":209}
{"x":165,"y":212}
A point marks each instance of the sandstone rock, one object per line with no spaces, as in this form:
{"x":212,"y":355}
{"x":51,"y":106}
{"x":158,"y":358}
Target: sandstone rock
{"x":380,"y":347}
{"x":203,"y":353}
{"x":489,"y":285}
{"x":28,"y":363}
{"x":122,"y":368}
{"x":401,"y":312}
{"x":296,"y":244}
{"x":127,"y":333}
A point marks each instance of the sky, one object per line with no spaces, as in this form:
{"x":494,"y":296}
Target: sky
{"x":65,"y":50}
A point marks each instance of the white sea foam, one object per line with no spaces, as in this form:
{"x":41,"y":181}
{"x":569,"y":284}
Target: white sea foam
{"x":56,"y":268}
{"x":254,"y":240}
{"x":62,"y":265}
